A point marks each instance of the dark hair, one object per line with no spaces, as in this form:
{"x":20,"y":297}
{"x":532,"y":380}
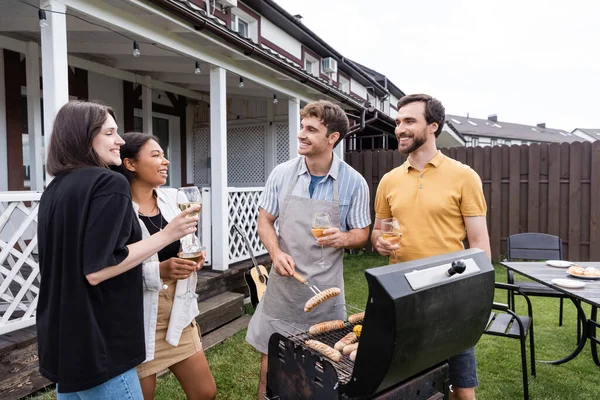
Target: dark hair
{"x":76,"y":125}
{"x":434,"y":110}
{"x":331,"y":115}
{"x":134,"y":141}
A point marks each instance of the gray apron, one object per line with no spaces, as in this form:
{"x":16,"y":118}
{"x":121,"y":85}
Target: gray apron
{"x":285,"y":297}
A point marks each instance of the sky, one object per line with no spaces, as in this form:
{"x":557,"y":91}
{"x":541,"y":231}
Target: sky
{"x":528,"y":61}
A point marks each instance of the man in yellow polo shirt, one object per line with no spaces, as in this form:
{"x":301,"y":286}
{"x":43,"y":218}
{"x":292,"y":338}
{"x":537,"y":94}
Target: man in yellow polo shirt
{"x":437,"y":201}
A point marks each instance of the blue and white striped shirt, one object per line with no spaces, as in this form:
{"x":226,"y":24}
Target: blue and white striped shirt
{"x":352,"y":188}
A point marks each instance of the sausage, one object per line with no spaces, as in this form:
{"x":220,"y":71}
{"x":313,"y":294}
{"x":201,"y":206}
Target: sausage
{"x":326,"y":326}
{"x":325,"y":350}
{"x":353,"y":355}
{"x":321,"y":297}
{"x":350,"y":348}
{"x":356,"y":317}
{"x":346,"y":340}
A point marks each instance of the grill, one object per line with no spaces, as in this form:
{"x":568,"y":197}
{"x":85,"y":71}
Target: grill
{"x":418,"y":314}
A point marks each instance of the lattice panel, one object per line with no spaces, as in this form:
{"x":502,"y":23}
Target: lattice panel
{"x":19,"y":269}
{"x":201,"y":156}
{"x":243,"y":211}
{"x":246,"y":155}
{"x":283,"y":143}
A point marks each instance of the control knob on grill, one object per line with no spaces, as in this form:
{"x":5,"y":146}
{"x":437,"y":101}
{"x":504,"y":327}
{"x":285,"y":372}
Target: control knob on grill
{"x":458,"y":267}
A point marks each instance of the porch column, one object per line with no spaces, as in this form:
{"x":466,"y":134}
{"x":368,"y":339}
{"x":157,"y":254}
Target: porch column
{"x":3,"y":130}
{"x":147,"y":104}
{"x":34,"y":117}
{"x":55,"y":75}
{"x":218,"y":171}
{"x":270,"y":140}
{"x":294,"y":125}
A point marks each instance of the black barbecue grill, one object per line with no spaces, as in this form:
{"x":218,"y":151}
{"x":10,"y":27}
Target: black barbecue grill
{"x":418,"y":314}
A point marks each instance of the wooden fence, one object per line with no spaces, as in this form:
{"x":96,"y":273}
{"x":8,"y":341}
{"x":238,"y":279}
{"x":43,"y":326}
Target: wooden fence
{"x":547,"y":188}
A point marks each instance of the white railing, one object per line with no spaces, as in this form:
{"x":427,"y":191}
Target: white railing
{"x":19,"y":268}
{"x":243,"y":211}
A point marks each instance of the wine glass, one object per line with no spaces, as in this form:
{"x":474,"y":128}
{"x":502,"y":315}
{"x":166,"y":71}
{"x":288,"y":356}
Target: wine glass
{"x":190,"y":197}
{"x":320,"y":223}
{"x":391,"y":233}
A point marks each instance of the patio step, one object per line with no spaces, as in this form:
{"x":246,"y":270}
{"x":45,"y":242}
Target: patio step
{"x":219,"y":310}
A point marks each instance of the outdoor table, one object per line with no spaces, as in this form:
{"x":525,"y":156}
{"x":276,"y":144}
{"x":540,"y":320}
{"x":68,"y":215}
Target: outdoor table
{"x":590,"y":294}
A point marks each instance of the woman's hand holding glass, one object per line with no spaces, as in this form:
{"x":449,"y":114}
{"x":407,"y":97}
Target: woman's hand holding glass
{"x":183,"y":224}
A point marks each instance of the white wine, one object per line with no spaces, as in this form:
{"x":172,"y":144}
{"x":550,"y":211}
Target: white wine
{"x":392,"y":237}
{"x":185,"y":206}
{"x":195,"y":257}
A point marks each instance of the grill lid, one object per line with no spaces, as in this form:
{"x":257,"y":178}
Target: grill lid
{"x":406,"y":330}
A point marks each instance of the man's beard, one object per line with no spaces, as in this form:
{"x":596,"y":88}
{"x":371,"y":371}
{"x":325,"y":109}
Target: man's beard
{"x":418,"y":141}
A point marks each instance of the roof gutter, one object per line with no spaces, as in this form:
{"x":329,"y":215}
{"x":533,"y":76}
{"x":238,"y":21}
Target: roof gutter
{"x":201,"y":24}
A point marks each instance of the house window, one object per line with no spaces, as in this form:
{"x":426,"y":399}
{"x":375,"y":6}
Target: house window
{"x":344,"y":84}
{"x":311,"y":64}
{"x":308,"y":66}
{"x":240,"y":26}
{"x":475,"y":142}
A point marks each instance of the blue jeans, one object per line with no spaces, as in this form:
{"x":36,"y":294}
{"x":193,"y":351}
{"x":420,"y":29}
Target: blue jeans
{"x":125,"y":386}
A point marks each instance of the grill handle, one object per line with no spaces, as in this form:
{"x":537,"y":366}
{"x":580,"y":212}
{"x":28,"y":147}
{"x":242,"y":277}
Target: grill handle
{"x":299,"y":278}
{"x":458,"y":267}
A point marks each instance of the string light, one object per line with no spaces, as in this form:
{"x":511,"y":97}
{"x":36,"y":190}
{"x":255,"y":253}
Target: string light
{"x":42,"y":17}
{"x":275,"y":101}
{"x":241,"y":82}
{"x":197,"y":71}
{"x":136,"y":49}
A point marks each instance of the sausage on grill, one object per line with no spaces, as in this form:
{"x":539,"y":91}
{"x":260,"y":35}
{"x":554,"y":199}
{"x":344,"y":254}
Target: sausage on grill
{"x":325,"y":350}
{"x":346,"y":340}
{"x":326,"y":326}
{"x":349,"y":348}
{"x":321,"y":297}
{"x":356,"y":317}
{"x":353,"y":355}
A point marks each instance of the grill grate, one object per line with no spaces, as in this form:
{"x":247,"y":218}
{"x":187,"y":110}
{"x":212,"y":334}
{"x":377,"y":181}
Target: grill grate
{"x":345,"y":367}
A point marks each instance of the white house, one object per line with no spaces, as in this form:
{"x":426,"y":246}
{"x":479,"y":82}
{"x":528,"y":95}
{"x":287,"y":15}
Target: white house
{"x":587,"y":132}
{"x":220,"y":83}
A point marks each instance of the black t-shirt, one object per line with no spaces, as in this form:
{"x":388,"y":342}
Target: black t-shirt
{"x":88,"y":334}
{"x":155,"y":224}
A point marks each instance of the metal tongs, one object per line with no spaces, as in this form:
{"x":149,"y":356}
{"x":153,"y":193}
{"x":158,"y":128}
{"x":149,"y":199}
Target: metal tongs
{"x":304,"y":281}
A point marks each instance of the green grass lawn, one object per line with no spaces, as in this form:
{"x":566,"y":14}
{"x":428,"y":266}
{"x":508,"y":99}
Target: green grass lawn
{"x":235,"y":364}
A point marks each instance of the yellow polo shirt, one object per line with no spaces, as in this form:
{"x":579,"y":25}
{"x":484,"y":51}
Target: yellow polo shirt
{"x":430,"y":205}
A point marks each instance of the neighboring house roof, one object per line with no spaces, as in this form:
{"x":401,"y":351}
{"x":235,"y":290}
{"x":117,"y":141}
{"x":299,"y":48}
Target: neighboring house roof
{"x":594,"y":133}
{"x":508,"y":130}
{"x":383,"y":80}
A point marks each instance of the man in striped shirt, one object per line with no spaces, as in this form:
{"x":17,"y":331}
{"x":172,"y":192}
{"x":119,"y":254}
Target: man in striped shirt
{"x":316,"y":182}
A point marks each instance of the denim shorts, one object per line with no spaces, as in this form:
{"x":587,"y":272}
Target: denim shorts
{"x":125,"y":386}
{"x":463,"y":370}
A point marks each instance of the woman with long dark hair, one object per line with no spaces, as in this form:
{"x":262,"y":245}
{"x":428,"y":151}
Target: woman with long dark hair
{"x":170,"y":301}
{"x":89,"y":316}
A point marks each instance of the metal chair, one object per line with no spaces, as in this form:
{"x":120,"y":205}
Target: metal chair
{"x":504,"y":322}
{"x":534,"y":247}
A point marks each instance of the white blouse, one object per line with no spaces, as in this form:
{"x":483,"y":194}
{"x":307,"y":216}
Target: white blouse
{"x":185,"y":305}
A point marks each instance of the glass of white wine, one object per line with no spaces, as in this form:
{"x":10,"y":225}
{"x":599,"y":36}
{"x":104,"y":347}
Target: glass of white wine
{"x":391,"y":233}
{"x":190,"y":244}
{"x":320,"y":223}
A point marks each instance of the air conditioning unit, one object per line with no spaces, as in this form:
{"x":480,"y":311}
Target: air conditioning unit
{"x":227,"y":3}
{"x":329,"y":65}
